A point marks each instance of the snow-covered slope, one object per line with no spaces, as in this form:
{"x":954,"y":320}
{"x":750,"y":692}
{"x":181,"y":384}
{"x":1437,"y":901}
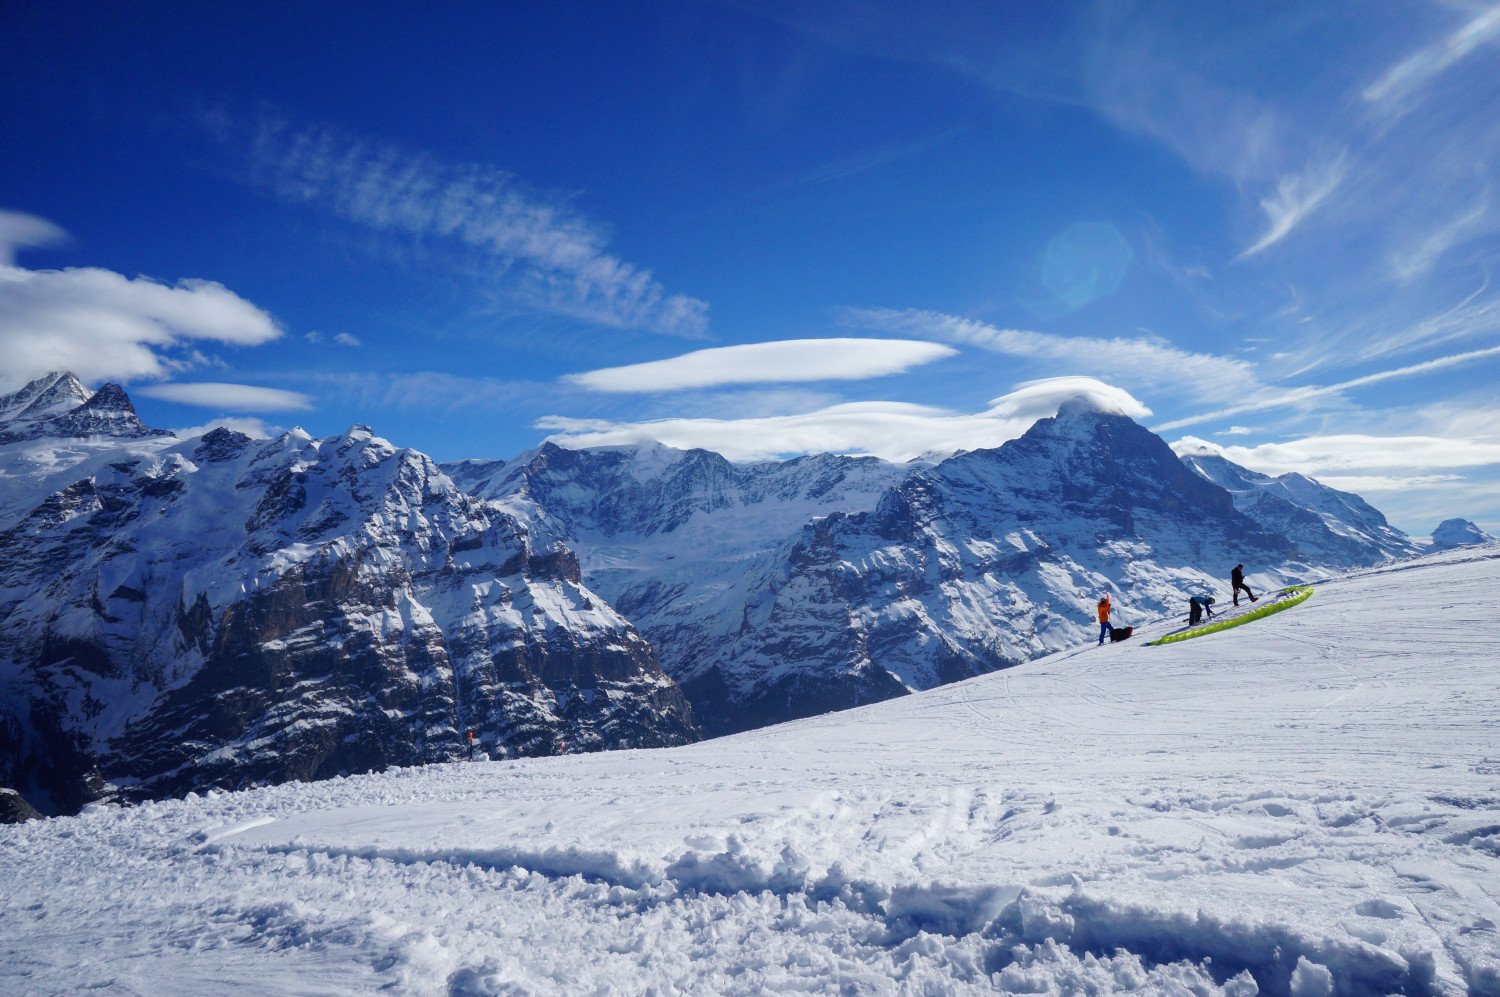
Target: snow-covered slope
{"x":1329,"y":527}
{"x":222,"y":611}
{"x":1308,"y":804}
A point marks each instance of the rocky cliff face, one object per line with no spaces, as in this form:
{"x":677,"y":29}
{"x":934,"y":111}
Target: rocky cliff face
{"x":223,"y":611}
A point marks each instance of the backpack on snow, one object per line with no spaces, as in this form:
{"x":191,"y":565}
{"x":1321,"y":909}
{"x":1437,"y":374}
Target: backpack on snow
{"x":1121,"y":633}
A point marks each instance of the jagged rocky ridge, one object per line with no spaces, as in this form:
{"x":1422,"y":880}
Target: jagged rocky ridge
{"x":1328,"y":526}
{"x":222,"y":611}
{"x":59,"y":406}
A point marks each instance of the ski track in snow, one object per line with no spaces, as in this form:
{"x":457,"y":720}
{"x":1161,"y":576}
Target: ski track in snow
{"x":1312,"y":799}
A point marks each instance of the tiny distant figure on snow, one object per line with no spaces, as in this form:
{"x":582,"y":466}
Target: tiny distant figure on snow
{"x":1237,"y":579}
{"x":1200,"y":606}
{"x":1105,"y":629}
{"x":471,"y":745}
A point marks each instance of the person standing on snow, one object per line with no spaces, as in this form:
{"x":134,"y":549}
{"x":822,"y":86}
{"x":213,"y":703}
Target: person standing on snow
{"x":1237,"y":579}
{"x":1105,"y":629}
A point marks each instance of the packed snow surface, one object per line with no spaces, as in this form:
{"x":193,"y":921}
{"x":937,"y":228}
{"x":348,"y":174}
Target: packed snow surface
{"x":1308,"y":804}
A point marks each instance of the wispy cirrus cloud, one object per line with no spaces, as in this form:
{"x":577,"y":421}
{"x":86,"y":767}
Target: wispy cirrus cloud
{"x":896,"y":431}
{"x":1296,"y":196}
{"x":1434,"y":59}
{"x":100,"y":324}
{"x":1142,"y":362}
{"x":221,"y":396}
{"x":548,"y":253}
{"x":1283,"y":398}
{"x":1417,"y":258}
{"x":429,"y":390}
{"x":781,"y":361}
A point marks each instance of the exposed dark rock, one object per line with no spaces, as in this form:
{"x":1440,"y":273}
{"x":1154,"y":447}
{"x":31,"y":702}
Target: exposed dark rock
{"x":14,"y":809}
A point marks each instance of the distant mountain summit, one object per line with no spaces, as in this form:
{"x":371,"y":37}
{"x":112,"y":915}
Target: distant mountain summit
{"x":1453,"y":533}
{"x":58,"y":405}
{"x":1329,"y":527}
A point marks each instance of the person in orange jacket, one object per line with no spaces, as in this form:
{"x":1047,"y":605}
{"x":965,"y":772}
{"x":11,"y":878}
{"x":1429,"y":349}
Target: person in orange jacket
{"x":1105,"y":628}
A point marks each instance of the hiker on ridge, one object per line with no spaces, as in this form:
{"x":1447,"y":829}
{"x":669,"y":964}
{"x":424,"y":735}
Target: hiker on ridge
{"x":1105,"y":629}
{"x":1237,"y":579}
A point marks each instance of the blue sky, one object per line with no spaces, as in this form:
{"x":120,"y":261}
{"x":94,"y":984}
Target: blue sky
{"x":773,"y":227}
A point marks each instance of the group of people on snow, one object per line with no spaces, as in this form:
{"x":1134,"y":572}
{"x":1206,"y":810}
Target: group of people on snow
{"x":1199,"y":606}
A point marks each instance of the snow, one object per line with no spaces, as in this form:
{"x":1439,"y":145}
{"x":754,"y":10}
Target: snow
{"x":1308,"y":804}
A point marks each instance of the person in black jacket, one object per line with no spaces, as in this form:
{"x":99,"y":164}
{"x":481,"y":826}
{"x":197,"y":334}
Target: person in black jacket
{"x":1237,"y":579}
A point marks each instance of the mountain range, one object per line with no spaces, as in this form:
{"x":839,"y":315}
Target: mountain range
{"x":178,"y":614}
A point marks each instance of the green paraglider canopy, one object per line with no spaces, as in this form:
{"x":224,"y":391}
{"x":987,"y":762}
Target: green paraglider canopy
{"x":1285,"y":599}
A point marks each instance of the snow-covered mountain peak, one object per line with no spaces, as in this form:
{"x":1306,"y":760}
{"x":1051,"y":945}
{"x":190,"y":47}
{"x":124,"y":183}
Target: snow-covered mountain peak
{"x":1328,"y":526}
{"x":1457,"y":533}
{"x":48,"y":395}
{"x":220,"y":444}
{"x":58,"y":406}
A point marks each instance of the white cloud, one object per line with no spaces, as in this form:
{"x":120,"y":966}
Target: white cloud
{"x":1362,"y":483}
{"x":1298,"y":396}
{"x":1295,"y":198}
{"x":432,"y":391}
{"x":1352,"y":453}
{"x":1196,"y":446}
{"x":103,"y":325}
{"x":1469,"y":318}
{"x":212,"y":394}
{"x":1236,"y":431}
{"x":783,"y":361}
{"x":1434,"y":59}
{"x":893,"y":430}
{"x":256,"y":429}
{"x":18,"y":230}
{"x":1144,"y":362}
{"x":1418,"y":258}
{"x":1033,"y":400}
{"x":550,"y":254}
{"x":345,"y":339}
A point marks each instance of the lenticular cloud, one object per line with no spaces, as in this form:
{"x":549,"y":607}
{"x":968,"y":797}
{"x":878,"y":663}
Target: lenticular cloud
{"x":100,"y":324}
{"x":1039,"y":399}
{"x":787,"y":361}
